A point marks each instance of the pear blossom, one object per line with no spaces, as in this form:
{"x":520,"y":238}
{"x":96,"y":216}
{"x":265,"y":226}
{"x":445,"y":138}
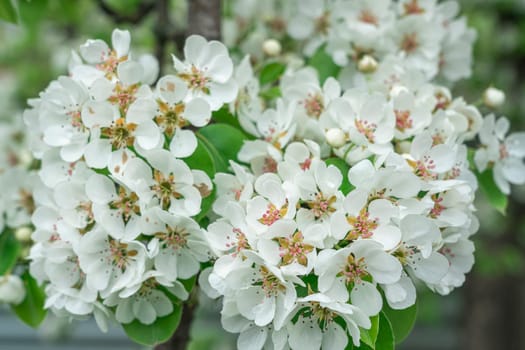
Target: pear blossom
{"x":207,"y":71}
{"x":177,"y":246}
{"x":504,"y":154}
{"x":347,"y":267}
{"x":110,"y":264}
{"x":316,"y":326}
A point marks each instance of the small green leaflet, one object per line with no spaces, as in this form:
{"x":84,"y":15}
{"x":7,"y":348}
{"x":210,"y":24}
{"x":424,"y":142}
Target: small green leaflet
{"x":369,"y":336}
{"x":158,"y":332}
{"x":324,"y":65}
{"x":10,"y":247}
{"x":202,"y":159}
{"x":271,"y":73}
{"x":402,"y":321}
{"x":31,"y":311}
{"x":496,"y":198}
{"x":346,"y":186}
{"x":226,"y":139}
{"x":8,"y":11}
{"x":385,"y":337}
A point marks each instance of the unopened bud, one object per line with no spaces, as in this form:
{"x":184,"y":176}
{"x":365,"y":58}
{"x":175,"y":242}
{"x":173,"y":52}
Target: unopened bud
{"x":12,"y":289}
{"x":271,"y":47}
{"x":367,"y":64}
{"x":23,"y":234}
{"x":335,"y":137}
{"x":493,"y":97}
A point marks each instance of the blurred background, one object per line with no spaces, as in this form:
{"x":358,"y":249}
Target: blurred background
{"x":487,"y":313}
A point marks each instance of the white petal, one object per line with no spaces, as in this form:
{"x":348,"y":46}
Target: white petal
{"x":335,"y":337}
{"x":148,"y":135}
{"x":183,"y":143}
{"x":98,"y":153}
{"x":120,"y":39}
{"x":171,"y":89}
{"x":130,"y":72}
{"x":197,"y":112}
{"x":144,"y":311}
{"x":252,"y":339}
{"x":365,"y":296}
{"x":94,"y":51}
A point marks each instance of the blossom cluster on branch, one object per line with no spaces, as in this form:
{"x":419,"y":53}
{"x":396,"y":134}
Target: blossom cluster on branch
{"x":311,"y":185}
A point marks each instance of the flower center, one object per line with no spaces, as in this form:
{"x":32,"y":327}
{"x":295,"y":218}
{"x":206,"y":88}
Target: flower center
{"x":313,"y":105}
{"x":409,"y":44}
{"x":272,"y":214}
{"x":170,"y":117}
{"x":366,"y":129}
{"x":120,"y":256}
{"x":174,"y":238}
{"x":413,"y":8}
{"x":367,"y":16}
{"x":321,"y":205}
{"x":126,"y":204}
{"x":294,"y":249}
{"x":120,"y":133}
{"x":403,"y":120}
{"x":354,"y":270}
{"x":196,"y":80}
{"x":271,"y":285}
{"x":362,"y":226}
{"x":165,"y":188}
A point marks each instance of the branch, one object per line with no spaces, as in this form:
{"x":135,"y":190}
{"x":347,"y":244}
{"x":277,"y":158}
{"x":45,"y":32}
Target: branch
{"x":142,"y":11}
{"x":204,"y":18}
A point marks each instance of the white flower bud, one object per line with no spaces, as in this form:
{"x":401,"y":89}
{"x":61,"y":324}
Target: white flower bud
{"x":335,"y":137}
{"x":272,"y":47}
{"x":367,"y":64}
{"x":12,"y":289}
{"x":493,"y":97}
{"x":23,"y":234}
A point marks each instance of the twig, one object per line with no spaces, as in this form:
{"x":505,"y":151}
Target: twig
{"x":142,"y":11}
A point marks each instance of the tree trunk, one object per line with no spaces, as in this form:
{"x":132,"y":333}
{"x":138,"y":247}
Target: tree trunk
{"x":204,"y":18}
{"x":181,"y":338}
{"x":495,"y":308}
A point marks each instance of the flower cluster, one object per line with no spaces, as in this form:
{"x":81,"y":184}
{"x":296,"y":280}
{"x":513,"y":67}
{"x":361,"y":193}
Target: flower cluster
{"x":303,"y":262}
{"x":114,"y":228}
{"x":351,"y":190}
{"x":358,"y":34}
{"x":18,"y":183}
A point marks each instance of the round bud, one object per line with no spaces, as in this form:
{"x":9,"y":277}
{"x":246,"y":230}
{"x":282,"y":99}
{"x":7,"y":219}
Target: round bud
{"x":335,"y":137}
{"x":493,"y":97}
{"x":23,"y":234}
{"x":12,"y":289}
{"x":271,"y":47}
{"x":367,"y":64}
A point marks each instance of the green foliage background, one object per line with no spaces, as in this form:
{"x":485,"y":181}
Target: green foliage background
{"x":35,"y":49}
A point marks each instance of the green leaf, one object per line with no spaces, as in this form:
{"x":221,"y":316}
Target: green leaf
{"x":226,"y":139}
{"x":202,"y":159}
{"x":385,"y":337}
{"x":369,"y":336}
{"x":31,"y":311}
{"x":271,"y":93}
{"x":271,"y":72}
{"x":224,"y":116}
{"x":158,"y":332}
{"x":9,"y":250}
{"x":324,"y":65}
{"x":8,"y":11}
{"x":346,"y":186}
{"x":496,"y":198}
{"x":402,"y":321}
{"x":206,"y":205}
